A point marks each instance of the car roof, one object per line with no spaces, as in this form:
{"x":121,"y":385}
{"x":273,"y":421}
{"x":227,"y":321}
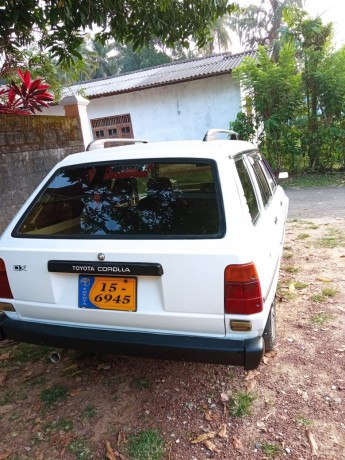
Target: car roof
{"x":170,"y":149}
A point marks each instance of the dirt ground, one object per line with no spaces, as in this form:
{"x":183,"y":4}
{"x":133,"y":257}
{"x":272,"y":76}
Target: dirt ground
{"x":292,"y":407}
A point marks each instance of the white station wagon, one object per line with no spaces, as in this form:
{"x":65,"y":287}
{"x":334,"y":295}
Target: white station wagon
{"x":167,"y":250}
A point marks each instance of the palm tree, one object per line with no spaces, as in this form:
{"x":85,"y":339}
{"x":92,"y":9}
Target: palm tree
{"x":219,"y":37}
{"x":260,"y":24}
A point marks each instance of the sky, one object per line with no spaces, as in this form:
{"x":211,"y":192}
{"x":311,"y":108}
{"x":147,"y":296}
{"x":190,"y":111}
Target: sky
{"x":328,"y":10}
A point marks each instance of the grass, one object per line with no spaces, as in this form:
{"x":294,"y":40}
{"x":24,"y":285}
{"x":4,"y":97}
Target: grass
{"x":241,"y":403}
{"x":291,"y":269}
{"x":333,"y":238}
{"x":321,"y":318}
{"x":89,"y":412}
{"x":287,"y":255}
{"x":312,"y":226}
{"x":318,"y":298}
{"x":53,"y":395}
{"x":316,"y":180}
{"x":300,"y":285}
{"x":10,"y":396}
{"x":80,"y":449}
{"x":59,"y":425}
{"x":303,"y":236}
{"x":304,"y":421}
{"x":289,"y":295}
{"x":326,"y":292}
{"x":271,"y":450}
{"x":308,"y":224}
{"x":6,"y":397}
{"x":329,"y":292}
{"x":142,"y":383}
{"x":38,"y":380}
{"x":26,"y":352}
{"x":146,"y":445}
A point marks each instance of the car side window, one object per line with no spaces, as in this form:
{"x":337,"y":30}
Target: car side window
{"x":265,"y":189}
{"x":269,"y":174}
{"x":248,"y":189}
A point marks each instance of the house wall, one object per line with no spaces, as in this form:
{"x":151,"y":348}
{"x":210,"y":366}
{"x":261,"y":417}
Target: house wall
{"x":29,"y":147}
{"x":175,"y":112}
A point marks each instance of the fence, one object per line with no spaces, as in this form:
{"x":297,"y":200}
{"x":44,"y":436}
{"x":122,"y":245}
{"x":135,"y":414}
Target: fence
{"x":29,"y":147}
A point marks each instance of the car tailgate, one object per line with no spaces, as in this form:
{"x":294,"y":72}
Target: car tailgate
{"x":177,"y":289}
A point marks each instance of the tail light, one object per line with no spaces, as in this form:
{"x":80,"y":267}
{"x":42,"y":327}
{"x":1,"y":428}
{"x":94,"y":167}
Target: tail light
{"x":5,"y":290}
{"x":242,"y":290}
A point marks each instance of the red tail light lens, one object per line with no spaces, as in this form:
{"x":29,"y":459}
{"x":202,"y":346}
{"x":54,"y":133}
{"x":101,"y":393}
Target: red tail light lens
{"x":5,"y":290}
{"x":242,"y":290}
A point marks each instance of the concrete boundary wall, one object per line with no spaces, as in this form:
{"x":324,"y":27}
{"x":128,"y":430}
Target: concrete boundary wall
{"x":29,"y":147}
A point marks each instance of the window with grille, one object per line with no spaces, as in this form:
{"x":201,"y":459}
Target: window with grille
{"x":117,"y":126}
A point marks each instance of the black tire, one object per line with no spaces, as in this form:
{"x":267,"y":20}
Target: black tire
{"x":270,"y":329}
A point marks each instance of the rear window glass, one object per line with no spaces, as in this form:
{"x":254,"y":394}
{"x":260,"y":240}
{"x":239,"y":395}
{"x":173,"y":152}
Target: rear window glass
{"x":132,"y":199}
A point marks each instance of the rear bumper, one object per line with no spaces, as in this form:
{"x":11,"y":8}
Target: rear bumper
{"x":246,"y":353}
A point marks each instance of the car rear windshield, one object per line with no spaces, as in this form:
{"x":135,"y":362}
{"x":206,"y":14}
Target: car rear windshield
{"x":131,"y":199}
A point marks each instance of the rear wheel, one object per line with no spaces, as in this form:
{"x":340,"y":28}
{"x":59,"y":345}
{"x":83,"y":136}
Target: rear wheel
{"x":270,"y":329}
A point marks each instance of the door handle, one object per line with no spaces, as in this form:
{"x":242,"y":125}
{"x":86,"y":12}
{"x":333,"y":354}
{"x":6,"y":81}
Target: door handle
{"x":276,"y":220}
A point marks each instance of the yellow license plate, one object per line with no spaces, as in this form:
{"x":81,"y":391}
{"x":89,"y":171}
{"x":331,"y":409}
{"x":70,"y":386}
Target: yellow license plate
{"x":107,"y":293}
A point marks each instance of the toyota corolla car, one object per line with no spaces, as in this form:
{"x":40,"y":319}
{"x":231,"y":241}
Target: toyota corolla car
{"x":168,"y":250}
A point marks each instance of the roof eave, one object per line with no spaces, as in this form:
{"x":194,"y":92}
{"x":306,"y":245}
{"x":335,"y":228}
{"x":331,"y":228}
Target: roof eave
{"x":156,"y":85}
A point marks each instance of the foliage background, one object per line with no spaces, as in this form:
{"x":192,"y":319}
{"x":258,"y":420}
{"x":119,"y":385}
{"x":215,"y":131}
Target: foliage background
{"x":295,"y":96}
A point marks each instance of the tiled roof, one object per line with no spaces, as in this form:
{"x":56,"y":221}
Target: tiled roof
{"x":162,"y":75}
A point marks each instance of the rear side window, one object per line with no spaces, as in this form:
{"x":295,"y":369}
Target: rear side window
{"x":248,"y":189}
{"x":269,"y":174}
{"x":264,"y":187}
{"x":131,"y":199}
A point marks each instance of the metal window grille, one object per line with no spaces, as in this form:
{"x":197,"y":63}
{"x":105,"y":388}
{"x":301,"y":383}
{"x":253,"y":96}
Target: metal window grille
{"x":117,"y":126}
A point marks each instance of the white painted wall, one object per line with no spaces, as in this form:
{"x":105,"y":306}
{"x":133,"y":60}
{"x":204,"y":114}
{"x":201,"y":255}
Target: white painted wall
{"x":175,"y":112}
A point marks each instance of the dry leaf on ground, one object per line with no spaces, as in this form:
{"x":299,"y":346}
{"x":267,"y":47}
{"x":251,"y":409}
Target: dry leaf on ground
{"x":208,"y":416}
{"x":312,"y":442}
{"x":203,"y":437}
{"x":210,"y":446}
{"x":36,"y":405}
{"x":251,"y":375}
{"x":261,"y":426}
{"x":5,"y":356}
{"x":113,"y":454}
{"x":121,"y":438}
{"x":271,"y":354}
{"x":7,"y":343}
{"x":237,"y":443}
{"x":75,"y":392}
{"x":3,"y":376}
{"x":224,"y":397}
{"x":222,"y":432}
{"x":266,"y":360}
{"x":251,"y":385}
{"x":5,"y":454}
{"x":110,"y":453}
{"x":6,"y":408}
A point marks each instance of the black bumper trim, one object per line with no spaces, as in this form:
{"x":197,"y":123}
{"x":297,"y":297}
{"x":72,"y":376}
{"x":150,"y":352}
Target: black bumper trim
{"x":246,"y":353}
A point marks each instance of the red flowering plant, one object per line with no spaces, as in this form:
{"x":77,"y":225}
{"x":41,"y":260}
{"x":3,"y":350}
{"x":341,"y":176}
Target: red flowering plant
{"x":26,"y":98}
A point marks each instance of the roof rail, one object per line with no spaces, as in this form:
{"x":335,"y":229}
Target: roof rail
{"x":212,"y":133}
{"x":101,"y":142}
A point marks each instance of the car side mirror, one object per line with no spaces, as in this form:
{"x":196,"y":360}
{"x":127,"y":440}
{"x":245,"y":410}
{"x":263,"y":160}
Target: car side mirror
{"x":283,"y":175}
